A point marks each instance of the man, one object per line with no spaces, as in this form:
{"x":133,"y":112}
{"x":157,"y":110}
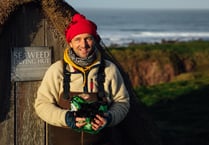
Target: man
{"x":86,"y":76}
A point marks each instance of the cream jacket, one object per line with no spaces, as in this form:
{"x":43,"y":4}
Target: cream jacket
{"x":51,"y":89}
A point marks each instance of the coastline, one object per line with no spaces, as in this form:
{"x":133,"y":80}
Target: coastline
{"x":124,"y":27}
{"x":163,"y":41}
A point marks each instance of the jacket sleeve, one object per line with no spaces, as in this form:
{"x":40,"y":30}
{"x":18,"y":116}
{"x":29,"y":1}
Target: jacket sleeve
{"x":118,"y":94}
{"x":47,"y":96}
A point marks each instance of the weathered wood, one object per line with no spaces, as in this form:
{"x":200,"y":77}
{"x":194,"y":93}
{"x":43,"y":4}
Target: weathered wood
{"x":18,"y":121}
{"x":29,"y":128}
{"x":6,"y":115}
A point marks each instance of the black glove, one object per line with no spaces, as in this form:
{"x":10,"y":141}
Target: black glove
{"x":70,"y":119}
{"x":108,"y":117}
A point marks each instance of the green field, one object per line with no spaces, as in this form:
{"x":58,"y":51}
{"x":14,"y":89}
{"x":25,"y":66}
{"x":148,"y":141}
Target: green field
{"x":180,"y":107}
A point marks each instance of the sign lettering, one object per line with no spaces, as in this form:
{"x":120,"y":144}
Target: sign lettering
{"x":30,"y":63}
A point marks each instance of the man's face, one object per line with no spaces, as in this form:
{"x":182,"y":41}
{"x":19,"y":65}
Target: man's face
{"x":82,"y":44}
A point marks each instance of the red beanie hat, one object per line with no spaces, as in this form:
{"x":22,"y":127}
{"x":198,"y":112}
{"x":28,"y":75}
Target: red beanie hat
{"x":79,"y":25}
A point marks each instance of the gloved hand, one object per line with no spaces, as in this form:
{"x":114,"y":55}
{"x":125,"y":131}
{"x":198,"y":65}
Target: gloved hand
{"x":101,"y":122}
{"x":70,"y":119}
{"x":108,"y":117}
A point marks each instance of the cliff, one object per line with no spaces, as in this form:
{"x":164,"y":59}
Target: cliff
{"x":149,"y":64}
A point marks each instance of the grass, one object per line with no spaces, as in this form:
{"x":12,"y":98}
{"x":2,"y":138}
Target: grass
{"x":180,"y":107}
{"x":190,"y":47}
{"x":180,"y":110}
{"x":150,"y":95}
{"x":179,"y":47}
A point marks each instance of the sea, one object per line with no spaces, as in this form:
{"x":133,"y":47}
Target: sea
{"x":124,"y":26}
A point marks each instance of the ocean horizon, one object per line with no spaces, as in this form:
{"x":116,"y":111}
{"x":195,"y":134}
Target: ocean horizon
{"x":125,"y":26}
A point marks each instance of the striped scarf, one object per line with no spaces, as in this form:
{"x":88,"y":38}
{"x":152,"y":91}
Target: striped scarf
{"x":83,"y":62}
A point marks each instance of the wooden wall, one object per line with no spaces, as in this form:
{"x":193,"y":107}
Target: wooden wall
{"x":19,"y":125}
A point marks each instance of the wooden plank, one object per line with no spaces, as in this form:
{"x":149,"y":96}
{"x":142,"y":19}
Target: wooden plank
{"x":6,"y":94}
{"x":7,"y":136}
{"x":29,"y":128}
{"x":26,"y":29}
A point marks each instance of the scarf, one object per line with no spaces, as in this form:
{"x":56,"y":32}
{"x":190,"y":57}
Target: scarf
{"x":81,"y":64}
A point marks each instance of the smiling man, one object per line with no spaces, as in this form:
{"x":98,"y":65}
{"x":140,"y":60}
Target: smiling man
{"x":84,"y":94}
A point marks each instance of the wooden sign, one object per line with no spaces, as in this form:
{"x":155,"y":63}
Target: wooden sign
{"x":29,"y":63}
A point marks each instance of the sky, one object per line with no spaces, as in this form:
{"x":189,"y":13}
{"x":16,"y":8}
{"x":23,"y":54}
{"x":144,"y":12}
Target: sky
{"x":141,"y":4}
